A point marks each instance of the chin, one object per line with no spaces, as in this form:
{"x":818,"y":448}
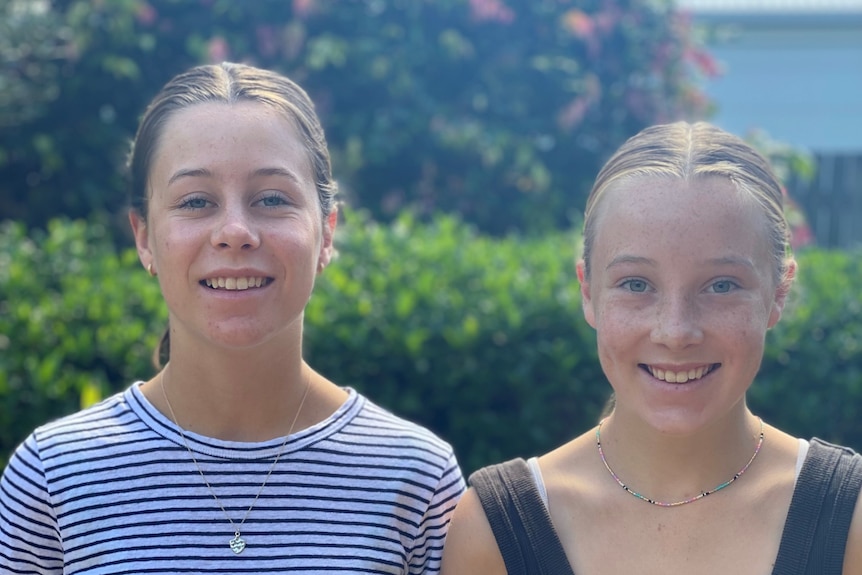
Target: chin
{"x":243,"y":338}
{"x":676,"y":420}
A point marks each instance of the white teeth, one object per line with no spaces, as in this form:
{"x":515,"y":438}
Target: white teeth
{"x":681,"y":376}
{"x":242,"y":283}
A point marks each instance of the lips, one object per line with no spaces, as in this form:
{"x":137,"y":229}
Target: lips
{"x":681,"y":376}
{"x":236,"y":283}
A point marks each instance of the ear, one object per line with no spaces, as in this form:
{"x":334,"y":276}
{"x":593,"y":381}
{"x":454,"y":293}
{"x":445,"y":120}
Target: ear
{"x":781,"y":292}
{"x":142,"y":239}
{"x":326,"y":247}
{"x":586,"y":299}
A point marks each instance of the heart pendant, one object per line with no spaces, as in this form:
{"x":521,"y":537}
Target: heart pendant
{"x":237,"y":544}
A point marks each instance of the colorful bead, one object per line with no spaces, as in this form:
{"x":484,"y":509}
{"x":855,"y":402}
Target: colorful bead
{"x":675,"y":503}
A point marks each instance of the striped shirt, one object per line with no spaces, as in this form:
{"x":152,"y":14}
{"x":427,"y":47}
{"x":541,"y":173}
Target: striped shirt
{"x":112,"y":489}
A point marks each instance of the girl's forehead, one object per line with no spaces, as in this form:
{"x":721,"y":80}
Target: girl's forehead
{"x":672,"y":198}
{"x":202,"y":113}
{"x":224,"y":134}
{"x":680,"y":217}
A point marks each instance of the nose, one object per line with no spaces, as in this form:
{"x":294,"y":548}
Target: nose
{"x":677,"y":323}
{"x":236,"y":230}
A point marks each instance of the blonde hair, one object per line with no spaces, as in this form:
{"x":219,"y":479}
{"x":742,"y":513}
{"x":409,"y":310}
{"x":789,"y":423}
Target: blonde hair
{"x":230,"y":83}
{"x":687,"y":151}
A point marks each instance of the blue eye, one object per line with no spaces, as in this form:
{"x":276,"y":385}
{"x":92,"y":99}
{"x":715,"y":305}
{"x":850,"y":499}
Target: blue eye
{"x":273,"y":200}
{"x":635,"y":285}
{"x":723,"y":286}
{"x":194,"y":204}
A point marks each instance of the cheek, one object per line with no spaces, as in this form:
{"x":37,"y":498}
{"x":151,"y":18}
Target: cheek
{"x":743,"y":329}
{"x":620,"y":313}
{"x":755,"y":316}
{"x":300,"y":245}
{"x":614,"y":328}
{"x":168,"y":237}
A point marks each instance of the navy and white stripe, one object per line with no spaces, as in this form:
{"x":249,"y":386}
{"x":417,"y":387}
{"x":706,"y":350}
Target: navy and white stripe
{"x":112,"y":489}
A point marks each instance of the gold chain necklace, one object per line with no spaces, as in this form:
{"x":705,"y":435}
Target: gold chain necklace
{"x":237,"y":544}
{"x":700,"y":495}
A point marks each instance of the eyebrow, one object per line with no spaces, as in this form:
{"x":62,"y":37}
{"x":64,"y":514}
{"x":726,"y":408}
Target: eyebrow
{"x":260,"y":172}
{"x":722,"y":261}
{"x":192,"y":173}
{"x":628,"y":259}
{"x":732,"y":261}
{"x":263,"y":172}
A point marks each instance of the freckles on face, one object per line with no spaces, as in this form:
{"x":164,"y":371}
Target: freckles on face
{"x":681,"y":281}
{"x":653,"y":221}
{"x":217,"y":160}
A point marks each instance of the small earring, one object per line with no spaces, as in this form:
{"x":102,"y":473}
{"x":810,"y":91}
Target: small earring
{"x":150,"y":270}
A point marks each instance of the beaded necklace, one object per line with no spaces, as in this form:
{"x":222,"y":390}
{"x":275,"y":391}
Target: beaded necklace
{"x":700,"y":495}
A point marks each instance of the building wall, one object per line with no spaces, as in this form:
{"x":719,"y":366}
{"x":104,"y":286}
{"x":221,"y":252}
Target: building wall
{"x":793,"y":69}
{"x":800,"y":79}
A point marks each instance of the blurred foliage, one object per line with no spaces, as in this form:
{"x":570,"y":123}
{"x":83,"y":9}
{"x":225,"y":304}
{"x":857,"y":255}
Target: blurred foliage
{"x":79,"y":73}
{"x":76,"y":320}
{"x":787,"y":161}
{"x":498,"y":110}
{"x":480,"y":339}
{"x":811,"y":379}
{"x":793,"y":166}
{"x":32,"y":44}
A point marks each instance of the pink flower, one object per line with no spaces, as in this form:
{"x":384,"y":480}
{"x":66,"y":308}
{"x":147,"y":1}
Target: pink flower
{"x":218,"y":50}
{"x":579,"y":24}
{"x":704,"y":62}
{"x":492,"y":10}
{"x":302,"y":7}
{"x":573,"y":114}
{"x":145,"y":13}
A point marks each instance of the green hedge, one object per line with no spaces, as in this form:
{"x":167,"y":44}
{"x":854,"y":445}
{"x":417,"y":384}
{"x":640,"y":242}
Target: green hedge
{"x":76,"y":321}
{"x":811,"y":378}
{"x":480,"y":339}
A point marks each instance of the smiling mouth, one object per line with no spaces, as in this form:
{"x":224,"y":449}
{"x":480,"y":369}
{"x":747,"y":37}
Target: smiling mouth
{"x":680,"y":376}
{"x":233,"y":284}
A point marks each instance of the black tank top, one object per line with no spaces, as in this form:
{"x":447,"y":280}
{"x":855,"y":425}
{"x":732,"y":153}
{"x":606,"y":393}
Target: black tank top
{"x":812,"y":543}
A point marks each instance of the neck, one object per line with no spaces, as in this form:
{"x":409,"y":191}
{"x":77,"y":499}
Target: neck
{"x":240,"y":396}
{"x":674,"y":467}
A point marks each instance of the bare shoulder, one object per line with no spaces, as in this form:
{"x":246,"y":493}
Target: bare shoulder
{"x":470,"y":546}
{"x":853,"y":551}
